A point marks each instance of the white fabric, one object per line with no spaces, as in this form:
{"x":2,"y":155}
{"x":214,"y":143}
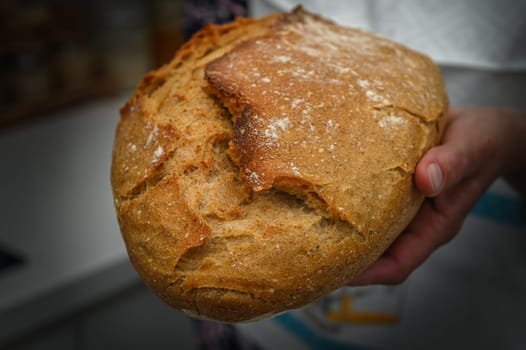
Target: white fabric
{"x":486,"y":34}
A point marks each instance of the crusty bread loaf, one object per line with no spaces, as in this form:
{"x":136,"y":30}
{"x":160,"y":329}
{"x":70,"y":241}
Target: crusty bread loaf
{"x":271,"y":161}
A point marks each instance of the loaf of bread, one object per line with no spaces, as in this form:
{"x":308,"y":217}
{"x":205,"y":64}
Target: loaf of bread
{"x":271,"y":161}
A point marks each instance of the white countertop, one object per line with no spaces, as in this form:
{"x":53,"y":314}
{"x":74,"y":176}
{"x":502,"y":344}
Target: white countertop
{"x":57,"y":212}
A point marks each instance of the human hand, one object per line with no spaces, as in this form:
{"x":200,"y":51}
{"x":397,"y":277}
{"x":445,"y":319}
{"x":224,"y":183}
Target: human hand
{"x":479,"y":145}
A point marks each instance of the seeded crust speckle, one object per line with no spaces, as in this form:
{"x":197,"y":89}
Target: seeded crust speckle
{"x":270,"y":162}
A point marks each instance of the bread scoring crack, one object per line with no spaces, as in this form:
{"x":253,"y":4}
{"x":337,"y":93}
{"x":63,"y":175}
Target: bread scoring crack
{"x":226,"y":303}
{"x":401,"y":171}
{"x":428,"y":122}
{"x":148,"y":182}
{"x":338,"y":230}
{"x":142,"y":149}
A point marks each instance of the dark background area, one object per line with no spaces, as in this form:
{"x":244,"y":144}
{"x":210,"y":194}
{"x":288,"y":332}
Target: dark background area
{"x":57,"y":53}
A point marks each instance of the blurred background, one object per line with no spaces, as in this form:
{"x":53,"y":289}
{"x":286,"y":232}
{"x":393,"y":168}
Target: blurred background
{"x":66,"y":67}
{"x":56,"y":53}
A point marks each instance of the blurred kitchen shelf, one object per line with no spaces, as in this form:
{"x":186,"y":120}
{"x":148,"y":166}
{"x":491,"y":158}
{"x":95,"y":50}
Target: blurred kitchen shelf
{"x":32,"y":108}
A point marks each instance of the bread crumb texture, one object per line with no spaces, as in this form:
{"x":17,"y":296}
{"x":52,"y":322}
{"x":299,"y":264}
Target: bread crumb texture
{"x":271,"y":161}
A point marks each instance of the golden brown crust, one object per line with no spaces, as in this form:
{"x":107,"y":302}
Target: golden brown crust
{"x":311,"y":98}
{"x":204,"y":236}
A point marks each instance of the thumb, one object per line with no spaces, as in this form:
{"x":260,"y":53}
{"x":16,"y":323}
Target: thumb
{"x":442,"y":167}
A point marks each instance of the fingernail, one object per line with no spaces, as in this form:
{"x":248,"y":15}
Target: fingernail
{"x":435,"y":177}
